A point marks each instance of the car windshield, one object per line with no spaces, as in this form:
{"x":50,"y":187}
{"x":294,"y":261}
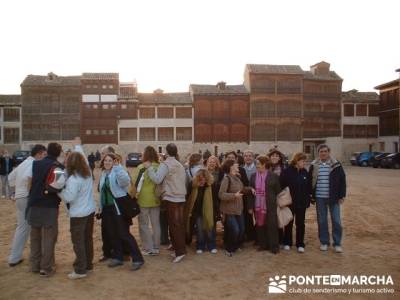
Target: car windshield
{"x":21,"y":153}
{"x":391,"y":155}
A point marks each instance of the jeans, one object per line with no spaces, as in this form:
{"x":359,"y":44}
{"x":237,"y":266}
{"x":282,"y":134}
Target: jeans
{"x":82,"y":240}
{"x":204,"y":238}
{"x":21,"y":233}
{"x":322,"y":216}
{"x":5,"y":186}
{"x":234,"y":231}
{"x":299,"y":215}
{"x":150,"y":237}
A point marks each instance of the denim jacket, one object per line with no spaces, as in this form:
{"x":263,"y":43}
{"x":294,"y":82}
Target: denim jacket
{"x":119,"y":181}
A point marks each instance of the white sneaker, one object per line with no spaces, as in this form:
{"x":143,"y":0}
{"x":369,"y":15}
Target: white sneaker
{"x":300,"y":249}
{"x":323,"y":247}
{"x":146,"y":252}
{"x":199,"y":251}
{"x":178,"y":258}
{"x":338,"y":249}
{"x":155,"y":251}
{"x":214,"y":251}
{"x":286,"y":247}
{"x":74,"y":275}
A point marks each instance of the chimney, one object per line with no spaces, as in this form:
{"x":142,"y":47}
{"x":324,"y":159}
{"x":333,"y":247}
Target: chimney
{"x":321,"y":68}
{"x":158,"y":91}
{"x":221,"y":85}
{"x":51,"y":76}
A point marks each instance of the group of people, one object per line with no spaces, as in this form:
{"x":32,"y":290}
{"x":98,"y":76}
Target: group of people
{"x":177,"y":201}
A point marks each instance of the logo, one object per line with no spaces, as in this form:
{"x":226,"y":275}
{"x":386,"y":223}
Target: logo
{"x":277,"y":285}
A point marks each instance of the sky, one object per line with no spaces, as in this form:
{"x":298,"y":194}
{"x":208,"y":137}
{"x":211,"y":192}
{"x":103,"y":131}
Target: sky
{"x":170,"y":44}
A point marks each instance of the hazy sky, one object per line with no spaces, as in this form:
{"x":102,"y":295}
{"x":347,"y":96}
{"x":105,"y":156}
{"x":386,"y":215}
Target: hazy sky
{"x":170,"y":44}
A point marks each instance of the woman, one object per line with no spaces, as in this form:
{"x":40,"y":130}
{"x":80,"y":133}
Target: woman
{"x":144,"y":190}
{"x":195,"y":164}
{"x":199,"y":211}
{"x":114,"y":183}
{"x":214,"y":167}
{"x":298,"y":180}
{"x":277,"y":161}
{"x":78,"y":195}
{"x":231,"y":206}
{"x":263,"y":205}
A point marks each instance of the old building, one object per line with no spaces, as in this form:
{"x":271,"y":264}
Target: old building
{"x":104,"y":102}
{"x":322,"y":90}
{"x":389,"y":117}
{"x":221,"y":116}
{"x":50,"y":108}
{"x":360,"y":121}
{"x":162,"y":118}
{"x":10,"y":121}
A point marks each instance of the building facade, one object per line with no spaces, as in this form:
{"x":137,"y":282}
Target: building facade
{"x":360,"y":121}
{"x":221,"y":117}
{"x":50,"y":108}
{"x":389,"y":116}
{"x":10,"y":121}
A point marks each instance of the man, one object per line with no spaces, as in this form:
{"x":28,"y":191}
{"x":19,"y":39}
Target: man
{"x":250,"y":168}
{"x":20,"y":177}
{"x":92,"y":160}
{"x":171,"y":176}
{"x":6,"y":166}
{"x":329,"y":191}
{"x":42,"y":213}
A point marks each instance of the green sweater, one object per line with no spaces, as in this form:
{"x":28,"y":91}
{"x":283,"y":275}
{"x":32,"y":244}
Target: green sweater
{"x":147,"y":196}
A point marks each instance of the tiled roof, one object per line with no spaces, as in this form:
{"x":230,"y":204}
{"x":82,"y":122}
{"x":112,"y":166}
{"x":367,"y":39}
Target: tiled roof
{"x":51,"y":80}
{"x":274,"y":69}
{"x":356,"y":96}
{"x":10,"y":99}
{"x":392,"y":83}
{"x":207,"y":89}
{"x":100,"y":76}
{"x":164,"y":98}
{"x":330,"y":76}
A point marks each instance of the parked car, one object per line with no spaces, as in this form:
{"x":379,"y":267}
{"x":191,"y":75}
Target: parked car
{"x":133,"y":159}
{"x":375,"y":161}
{"x":362,"y":159}
{"x":391,"y":161}
{"x":19,"y":156}
{"x":353,"y":159}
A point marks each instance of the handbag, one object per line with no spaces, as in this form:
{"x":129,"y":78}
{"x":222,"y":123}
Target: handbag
{"x":284,"y":198}
{"x":128,"y":206}
{"x":284,"y":216}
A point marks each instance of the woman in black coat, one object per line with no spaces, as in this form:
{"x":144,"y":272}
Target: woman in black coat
{"x":298,"y":180}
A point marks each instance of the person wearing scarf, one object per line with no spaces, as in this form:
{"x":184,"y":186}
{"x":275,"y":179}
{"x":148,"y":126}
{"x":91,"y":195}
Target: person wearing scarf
{"x":265,"y":187}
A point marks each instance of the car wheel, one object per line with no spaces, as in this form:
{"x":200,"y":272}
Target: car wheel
{"x":397,"y":166}
{"x":364,"y":164}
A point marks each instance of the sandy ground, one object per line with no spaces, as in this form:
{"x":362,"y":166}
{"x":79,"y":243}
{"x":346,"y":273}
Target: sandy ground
{"x":371,"y":246}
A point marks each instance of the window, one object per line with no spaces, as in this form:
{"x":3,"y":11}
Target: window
{"x":240,"y":109}
{"x":95,"y":86}
{"x":110,"y":86}
{"x":105,"y":106}
{"x":95,"y":106}
{"x":202,"y":109}
{"x":221,"y":133}
{"x":289,"y":108}
{"x":88,"y":132}
{"x":183,"y":133}
{"x":166,"y":133}
{"x":147,"y":134}
{"x":113,"y":106}
{"x":263,"y":109}
{"x":88,"y":86}
{"x":202,"y":133}
{"x":104,"y":86}
{"x":361,"y":110}
{"x":11,"y":135}
{"x":103,"y":131}
{"x":165,"y":112}
{"x":111,"y":132}
{"x":147,"y":113}
{"x":124,"y":106}
{"x":128,"y":134}
{"x":220,"y":109}
{"x":183,"y":112}
{"x":382,"y":146}
{"x":373,"y":110}
{"x":88,"y":106}
{"x":11,"y":114}
{"x":289,"y":86}
{"x":95,"y":132}
{"x":263,"y":132}
{"x":307,"y":149}
{"x":348,"y":110}
{"x":239,"y":133}
{"x":289,"y":132}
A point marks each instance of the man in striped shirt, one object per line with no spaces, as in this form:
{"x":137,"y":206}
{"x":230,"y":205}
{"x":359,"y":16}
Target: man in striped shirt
{"x":329,"y":191}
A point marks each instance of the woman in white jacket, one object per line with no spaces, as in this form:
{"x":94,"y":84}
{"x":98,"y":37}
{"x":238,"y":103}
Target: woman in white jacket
{"x":78,"y":195}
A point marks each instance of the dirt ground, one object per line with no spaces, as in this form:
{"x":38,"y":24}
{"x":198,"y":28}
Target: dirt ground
{"x":371,"y":245}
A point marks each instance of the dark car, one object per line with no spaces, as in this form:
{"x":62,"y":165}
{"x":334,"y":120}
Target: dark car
{"x":133,"y":159}
{"x":363,"y":158}
{"x":391,"y":161}
{"x":375,"y":161}
{"x":19,"y":156}
{"x":353,"y":158}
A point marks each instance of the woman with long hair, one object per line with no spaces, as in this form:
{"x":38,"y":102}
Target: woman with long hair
{"x":143,"y":188}
{"x":78,"y":195}
{"x":114,"y":183}
{"x":213,"y":166}
{"x":263,"y":205}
